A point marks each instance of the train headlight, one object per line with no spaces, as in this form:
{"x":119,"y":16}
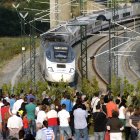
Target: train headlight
{"x":71,"y":70}
{"x":50,"y":69}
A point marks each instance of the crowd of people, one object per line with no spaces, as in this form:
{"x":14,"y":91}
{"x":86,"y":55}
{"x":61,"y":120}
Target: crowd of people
{"x":27,"y":117}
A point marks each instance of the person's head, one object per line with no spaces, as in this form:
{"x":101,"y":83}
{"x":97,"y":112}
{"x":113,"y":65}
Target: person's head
{"x":96,"y":94}
{"x":43,"y":107}
{"x":21,"y":134}
{"x":4,"y":102}
{"x":117,"y":101}
{"x":45,"y":123}
{"x":68,"y":96}
{"x":38,"y":125}
{"x":80,"y":106}
{"x":136,"y":111}
{"x":130,"y":109}
{"x":12,"y":96}
{"x":115,"y":114}
{"x":25,"y":99}
{"x":63,"y":106}
{"x":122,"y":104}
{"x":102,"y":100}
{"x":52,"y":106}
{"x":31,"y":100}
{"x":97,"y":107}
{"x":110,"y":98}
{"x":106,"y":98}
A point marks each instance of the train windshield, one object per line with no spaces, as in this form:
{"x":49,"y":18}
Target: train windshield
{"x":60,"y":52}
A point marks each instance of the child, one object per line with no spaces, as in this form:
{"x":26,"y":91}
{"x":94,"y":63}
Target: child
{"x":26,"y":124}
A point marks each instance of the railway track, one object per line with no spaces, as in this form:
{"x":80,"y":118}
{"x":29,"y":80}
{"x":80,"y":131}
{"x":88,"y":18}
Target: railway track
{"x":95,"y":44}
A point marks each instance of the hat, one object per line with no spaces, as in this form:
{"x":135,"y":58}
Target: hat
{"x":14,"y":112}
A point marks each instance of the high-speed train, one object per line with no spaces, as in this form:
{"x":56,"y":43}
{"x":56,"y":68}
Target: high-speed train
{"x":57,"y":58}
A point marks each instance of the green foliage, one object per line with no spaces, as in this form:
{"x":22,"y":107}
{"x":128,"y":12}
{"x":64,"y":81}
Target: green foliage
{"x":138,"y":87}
{"x":127,"y":87}
{"x":119,"y":86}
{"x":10,"y":47}
{"x":9,"y":22}
{"x":89,"y":88}
{"x":57,"y":90}
{"x":116,"y":85}
{"x":6,"y":88}
{"x":10,"y":18}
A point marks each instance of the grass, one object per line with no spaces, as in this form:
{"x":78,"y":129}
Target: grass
{"x":10,"y":47}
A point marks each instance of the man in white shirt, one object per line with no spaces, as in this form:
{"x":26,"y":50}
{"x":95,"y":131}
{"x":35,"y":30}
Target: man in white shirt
{"x":95,"y":101}
{"x":64,"y":118}
{"x":14,"y":124}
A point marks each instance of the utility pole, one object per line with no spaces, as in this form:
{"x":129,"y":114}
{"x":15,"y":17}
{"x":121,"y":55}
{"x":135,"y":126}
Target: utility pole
{"x":115,"y":32}
{"x":83,"y":40}
{"x":83,"y":45}
{"x":23,"y":42}
{"x":81,"y":6}
{"x":84,"y":68}
{"x":32,"y":54}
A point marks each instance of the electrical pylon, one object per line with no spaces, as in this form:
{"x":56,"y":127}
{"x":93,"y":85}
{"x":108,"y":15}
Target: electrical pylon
{"x":83,"y":32}
{"x":32,"y":55}
{"x":115,"y":39}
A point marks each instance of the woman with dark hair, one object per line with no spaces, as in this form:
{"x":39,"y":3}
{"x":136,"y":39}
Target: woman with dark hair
{"x":122,"y":110}
{"x":128,"y":113}
{"x":115,"y":126}
{"x":134,"y":119}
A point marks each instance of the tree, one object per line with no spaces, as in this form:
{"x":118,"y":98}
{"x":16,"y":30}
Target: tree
{"x":116,"y":85}
{"x":89,"y":88}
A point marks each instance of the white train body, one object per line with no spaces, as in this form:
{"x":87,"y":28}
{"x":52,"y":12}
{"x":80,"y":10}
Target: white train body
{"x":69,"y":33}
{"x":57,"y":62}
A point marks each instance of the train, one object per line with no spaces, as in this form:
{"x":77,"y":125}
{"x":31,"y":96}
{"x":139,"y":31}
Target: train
{"x":57,"y":58}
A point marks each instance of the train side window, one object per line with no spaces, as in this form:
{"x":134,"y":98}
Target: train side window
{"x":98,"y":22}
{"x":126,"y":14}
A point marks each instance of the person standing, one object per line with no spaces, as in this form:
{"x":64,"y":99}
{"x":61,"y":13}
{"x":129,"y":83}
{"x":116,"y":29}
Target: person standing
{"x":64,"y":118}
{"x":30,"y":109}
{"x":134,"y":119}
{"x":129,"y":112}
{"x":41,"y":116}
{"x":122,"y":110}
{"x":12,"y":101}
{"x":52,"y":118}
{"x":115,"y":126}
{"x":66,"y":100}
{"x":14,"y":124}
{"x":47,"y":132}
{"x":99,"y":124}
{"x":17,"y":104}
{"x":95,"y":101}
{"x":81,"y":129}
{"x":111,"y":106}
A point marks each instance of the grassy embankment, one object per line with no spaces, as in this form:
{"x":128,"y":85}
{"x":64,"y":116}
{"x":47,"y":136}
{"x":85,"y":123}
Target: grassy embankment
{"x":10,"y":47}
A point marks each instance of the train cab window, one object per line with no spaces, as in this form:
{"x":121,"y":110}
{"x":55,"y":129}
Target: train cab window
{"x":126,"y":14}
{"x":48,"y":54}
{"x":60,"y":52}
